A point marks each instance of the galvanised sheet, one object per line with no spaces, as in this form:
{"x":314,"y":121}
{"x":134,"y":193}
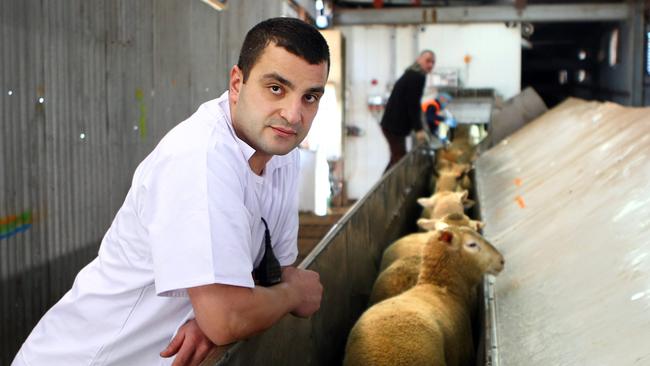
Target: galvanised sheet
{"x":87,"y":89}
{"x":567,"y":201}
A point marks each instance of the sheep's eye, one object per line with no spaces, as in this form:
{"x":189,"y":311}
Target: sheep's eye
{"x":472,"y":245}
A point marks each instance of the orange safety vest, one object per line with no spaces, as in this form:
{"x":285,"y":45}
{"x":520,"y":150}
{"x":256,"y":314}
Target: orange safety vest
{"x":430,"y":102}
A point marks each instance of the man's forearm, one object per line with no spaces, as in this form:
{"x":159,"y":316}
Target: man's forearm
{"x":229,"y":313}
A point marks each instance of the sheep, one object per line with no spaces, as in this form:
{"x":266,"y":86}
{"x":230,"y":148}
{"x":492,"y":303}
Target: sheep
{"x":454,"y":219}
{"x":465,"y":182}
{"x":399,"y":276}
{"x":448,"y":175}
{"x":411,"y":244}
{"x":459,"y":153}
{"x":430,"y":323}
{"x":460,"y":150}
{"x":442,"y":203}
{"x":448,"y":181}
{"x":406,"y":246}
{"x":446,"y":165}
{"x":401,"y":260}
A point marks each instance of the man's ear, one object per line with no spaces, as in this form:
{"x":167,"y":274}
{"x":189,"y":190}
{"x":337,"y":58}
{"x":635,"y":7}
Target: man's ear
{"x":235,"y":84}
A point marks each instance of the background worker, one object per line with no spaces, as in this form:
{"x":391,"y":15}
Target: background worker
{"x":402,"y":113}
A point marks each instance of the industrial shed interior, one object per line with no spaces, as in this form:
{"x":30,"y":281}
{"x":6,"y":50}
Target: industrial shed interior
{"x":550,"y":149}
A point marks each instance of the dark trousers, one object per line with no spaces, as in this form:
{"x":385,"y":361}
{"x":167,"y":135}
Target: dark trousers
{"x":397,"y":145}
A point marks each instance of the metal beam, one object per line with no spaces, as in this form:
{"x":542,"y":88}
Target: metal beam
{"x":484,"y":14}
{"x":637,"y":46}
{"x":308,"y":5}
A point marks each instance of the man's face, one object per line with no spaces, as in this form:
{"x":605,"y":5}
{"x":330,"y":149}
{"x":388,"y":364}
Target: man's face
{"x":426,"y":61}
{"x":274,"y":109}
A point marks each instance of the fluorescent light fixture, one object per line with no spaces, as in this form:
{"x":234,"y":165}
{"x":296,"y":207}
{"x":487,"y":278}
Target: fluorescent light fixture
{"x":219,"y":5}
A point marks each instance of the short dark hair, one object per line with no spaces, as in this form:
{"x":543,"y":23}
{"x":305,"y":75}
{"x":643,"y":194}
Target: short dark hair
{"x":294,"y":35}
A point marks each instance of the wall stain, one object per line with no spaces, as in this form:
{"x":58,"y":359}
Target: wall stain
{"x":142,"y":121}
{"x":14,"y":224}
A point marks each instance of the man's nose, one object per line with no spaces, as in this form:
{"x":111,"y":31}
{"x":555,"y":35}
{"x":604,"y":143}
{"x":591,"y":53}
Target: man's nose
{"x":292,"y":110}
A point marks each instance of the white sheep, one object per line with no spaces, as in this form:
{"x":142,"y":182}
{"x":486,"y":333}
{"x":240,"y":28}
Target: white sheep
{"x":430,"y":323}
{"x":450,"y":176}
{"x":412,"y":244}
{"x":448,"y":181}
{"x":398,"y":277}
{"x":401,"y":260}
{"x":453,"y":219}
{"x":443,"y":203}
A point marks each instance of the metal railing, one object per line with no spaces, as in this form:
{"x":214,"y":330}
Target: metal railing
{"x":347,"y":259}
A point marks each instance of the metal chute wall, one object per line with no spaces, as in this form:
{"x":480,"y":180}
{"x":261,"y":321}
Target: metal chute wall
{"x":567,"y":201}
{"x":87,"y":88}
{"x":347,"y":260}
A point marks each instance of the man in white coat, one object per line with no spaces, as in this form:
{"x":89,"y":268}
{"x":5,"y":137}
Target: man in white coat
{"x":200,"y":253}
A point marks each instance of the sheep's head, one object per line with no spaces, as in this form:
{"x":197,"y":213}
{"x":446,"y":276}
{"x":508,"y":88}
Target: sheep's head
{"x":452,"y":219}
{"x":429,"y":202}
{"x":483,"y":253}
{"x":449,"y":154}
{"x":443,"y":203}
{"x":446,"y":166}
{"x":458,"y":253}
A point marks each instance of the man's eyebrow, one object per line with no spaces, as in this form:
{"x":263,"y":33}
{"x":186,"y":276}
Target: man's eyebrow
{"x":317,"y":90}
{"x":280,"y":79}
{"x":277,"y":77}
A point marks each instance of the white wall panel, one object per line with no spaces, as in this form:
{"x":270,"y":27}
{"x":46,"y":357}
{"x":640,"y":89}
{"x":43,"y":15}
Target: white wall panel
{"x":368,"y":52}
{"x":495,"y":52}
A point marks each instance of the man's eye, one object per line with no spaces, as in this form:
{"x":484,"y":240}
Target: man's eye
{"x":311,"y":98}
{"x":275,"y":89}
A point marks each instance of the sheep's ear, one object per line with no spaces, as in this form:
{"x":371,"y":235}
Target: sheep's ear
{"x":441,"y":225}
{"x":426,"y":202}
{"x":446,"y":236}
{"x":462,"y":195}
{"x":427,"y":224}
{"x":477,"y":225}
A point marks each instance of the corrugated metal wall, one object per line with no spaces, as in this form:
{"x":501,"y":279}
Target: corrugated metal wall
{"x":87,"y":88}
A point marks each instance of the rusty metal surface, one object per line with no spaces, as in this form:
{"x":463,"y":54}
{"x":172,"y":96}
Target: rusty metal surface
{"x":567,"y":201}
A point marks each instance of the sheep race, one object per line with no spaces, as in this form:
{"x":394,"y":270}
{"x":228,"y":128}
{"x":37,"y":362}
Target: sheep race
{"x":423,"y":303}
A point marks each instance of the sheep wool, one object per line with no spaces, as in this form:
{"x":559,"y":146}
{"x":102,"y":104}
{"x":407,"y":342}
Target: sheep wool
{"x":430,"y":323}
{"x":401,"y":273}
{"x":406,"y":246}
{"x":443,"y":203}
{"x":400,"y":276}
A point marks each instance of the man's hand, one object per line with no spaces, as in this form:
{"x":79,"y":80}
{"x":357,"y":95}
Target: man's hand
{"x":189,"y":345}
{"x":308,"y":287}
